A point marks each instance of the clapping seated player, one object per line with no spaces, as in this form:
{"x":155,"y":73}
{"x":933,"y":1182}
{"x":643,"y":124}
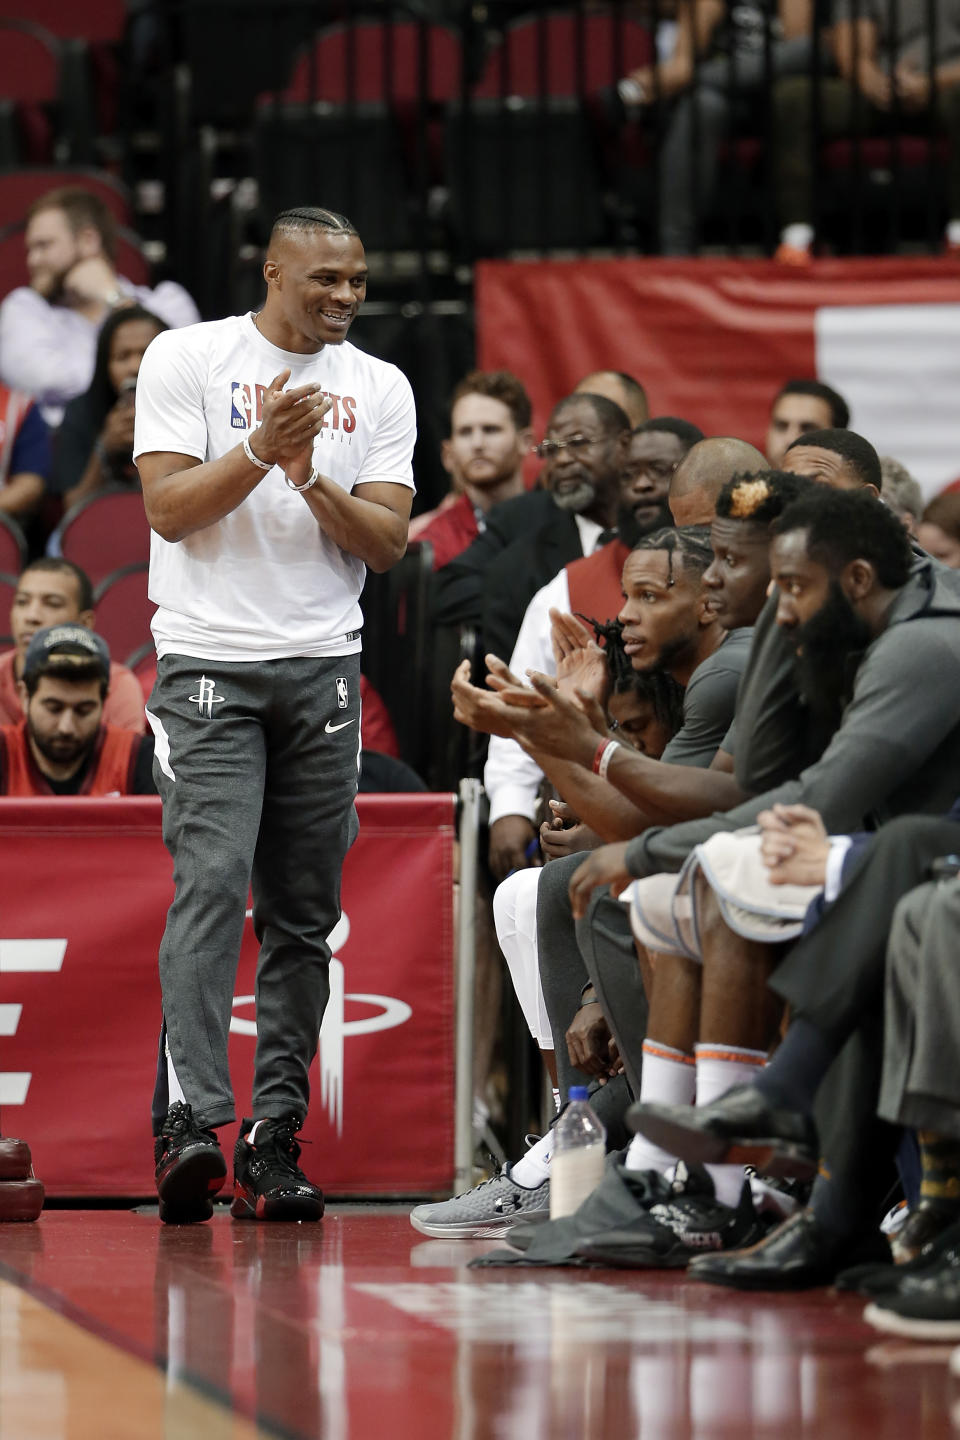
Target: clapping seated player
{"x":869,"y":624}
{"x":63,"y":746}
{"x":591,"y":585}
{"x":93,"y":448}
{"x":667,"y":626}
{"x":55,"y":591}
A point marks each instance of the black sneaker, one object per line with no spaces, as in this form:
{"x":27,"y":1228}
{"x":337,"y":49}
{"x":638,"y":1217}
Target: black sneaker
{"x":190,"y":1168}
{"x":268,"y":1184}
{"x":674,"y":1229}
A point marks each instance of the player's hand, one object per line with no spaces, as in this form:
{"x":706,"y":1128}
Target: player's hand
{"x":588,"y":1040}
{"x":606,"y":866}
{"x":511,"y":845}
{"x":581,"y":664}
{"x":564,"y":834}
{"x":291,"y":421}
{"x":481,"y":710}
{"x":794,"y":845}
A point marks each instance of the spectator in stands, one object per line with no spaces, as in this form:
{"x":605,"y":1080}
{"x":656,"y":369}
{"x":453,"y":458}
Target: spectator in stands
{"x":801,"y":406}
{"x":619,"y":387}
{"x":902,"y":493}
{"x":24,"y":453}
{"x":94,"y":445}
{"x":886,"y":67}
{"x":63,"y":745}
{"x":718,"y":65}
{"x":490,"y":437}
{"x":54,"y":591}
{"x":48,"y":329}
{"x":939,"y":529}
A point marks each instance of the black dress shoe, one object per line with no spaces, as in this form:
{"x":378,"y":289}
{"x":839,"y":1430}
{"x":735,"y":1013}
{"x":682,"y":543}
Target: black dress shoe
{"x":798,"y":1255}
{"x":924,"y":1307}
{"x":741,"y":1128}
{"x":879,"y":1279}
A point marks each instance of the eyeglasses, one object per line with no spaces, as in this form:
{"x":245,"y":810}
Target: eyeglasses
{"x":652,"y":469}
{"x":548,"y":448}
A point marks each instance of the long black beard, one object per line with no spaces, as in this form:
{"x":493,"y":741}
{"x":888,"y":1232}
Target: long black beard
{"x":830,"y":645}
{"x":630,"y":529}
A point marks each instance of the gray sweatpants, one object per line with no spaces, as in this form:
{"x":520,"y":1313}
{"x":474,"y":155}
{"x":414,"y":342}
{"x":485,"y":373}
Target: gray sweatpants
{"x":920,"y":1086}
{"x":256,"y":764}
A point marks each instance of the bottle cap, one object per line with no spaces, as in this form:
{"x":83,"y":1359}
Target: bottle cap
{"x":577,"y":1092}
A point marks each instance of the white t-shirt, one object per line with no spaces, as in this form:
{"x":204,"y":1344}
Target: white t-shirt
{"x":264,"y":582}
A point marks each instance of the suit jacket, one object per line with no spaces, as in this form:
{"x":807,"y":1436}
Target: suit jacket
{"x":457,"y":588}
{"x":518,"y":572}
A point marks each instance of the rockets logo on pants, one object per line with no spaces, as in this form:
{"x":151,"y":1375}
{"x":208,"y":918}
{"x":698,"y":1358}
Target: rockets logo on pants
{"x":84,"y":892}
{"x":713,"y":341}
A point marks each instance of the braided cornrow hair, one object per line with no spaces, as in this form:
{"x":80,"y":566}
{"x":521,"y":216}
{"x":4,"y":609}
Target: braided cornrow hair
{"x":663,"y":692}
{"x":314,"y":217}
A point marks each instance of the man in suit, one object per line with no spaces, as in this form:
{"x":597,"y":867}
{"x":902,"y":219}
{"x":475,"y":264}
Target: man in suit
{"x":530,"y":538}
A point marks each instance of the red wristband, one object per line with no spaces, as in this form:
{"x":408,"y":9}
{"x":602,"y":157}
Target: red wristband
{"x":598,"y":755}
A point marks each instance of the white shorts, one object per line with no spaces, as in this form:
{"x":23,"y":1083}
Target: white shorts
{"x":663,"y":908}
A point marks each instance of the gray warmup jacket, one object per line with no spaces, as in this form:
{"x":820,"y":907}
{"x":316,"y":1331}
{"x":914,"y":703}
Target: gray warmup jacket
{"x":896,"y":751}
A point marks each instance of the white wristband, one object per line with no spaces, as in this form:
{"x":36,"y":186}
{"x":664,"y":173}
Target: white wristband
{"x":308,"y":484}
{"x":255,"y":459}
{"x":606,"y":757}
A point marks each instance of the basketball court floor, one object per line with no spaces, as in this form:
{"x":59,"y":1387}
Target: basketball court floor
{"x":112,"y":1325}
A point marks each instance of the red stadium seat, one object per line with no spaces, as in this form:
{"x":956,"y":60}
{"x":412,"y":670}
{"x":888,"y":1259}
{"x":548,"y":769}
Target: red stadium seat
{"x":98,"y":22}
{"x":30,"y":89}
{"x":8,"y":588}
{"x":560,"y":54}
{"x":123,"y":611}
{"x":20,"y":188}
{"x":106,"y":533}
{"x":13,"y":547}
{"x":373,"y":61}
{"x":143,"y":663}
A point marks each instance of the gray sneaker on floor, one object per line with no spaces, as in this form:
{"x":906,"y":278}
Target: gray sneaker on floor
{"x":486,"y":1212}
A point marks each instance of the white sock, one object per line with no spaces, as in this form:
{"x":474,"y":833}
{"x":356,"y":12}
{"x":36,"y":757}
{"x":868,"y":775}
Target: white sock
{"x":953,"y":232}
{"x":667,"y":1078}
{"x":174,"y":1088}
{"x":797,"y":236}
{"x":534,"y":1167}
{"x":719,"y":1068}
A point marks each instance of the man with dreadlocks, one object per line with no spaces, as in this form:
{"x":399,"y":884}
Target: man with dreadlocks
{"x":276,"y":465}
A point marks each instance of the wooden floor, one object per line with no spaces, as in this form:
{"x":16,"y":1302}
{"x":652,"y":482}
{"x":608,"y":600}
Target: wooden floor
{"x":112,"y":1325}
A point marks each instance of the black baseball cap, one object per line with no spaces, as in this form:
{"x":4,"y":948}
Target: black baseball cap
{"x":66,"y":640}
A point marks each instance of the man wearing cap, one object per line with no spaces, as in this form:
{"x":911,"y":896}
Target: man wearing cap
{"x":62,"y":746}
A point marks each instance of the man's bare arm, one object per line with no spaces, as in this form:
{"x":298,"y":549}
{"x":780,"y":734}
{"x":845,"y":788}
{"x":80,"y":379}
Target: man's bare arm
{"x":370,"y":523}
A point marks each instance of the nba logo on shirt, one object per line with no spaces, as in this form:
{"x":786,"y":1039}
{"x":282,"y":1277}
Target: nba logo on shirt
{"x":341,"y":692}
{"x":239,"y":405}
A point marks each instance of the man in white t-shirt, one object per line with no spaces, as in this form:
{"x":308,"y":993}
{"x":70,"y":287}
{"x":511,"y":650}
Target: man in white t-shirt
{"x":266,"y":504}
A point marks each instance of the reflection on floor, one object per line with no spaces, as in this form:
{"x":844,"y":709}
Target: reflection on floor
{"x":113,"y":1325}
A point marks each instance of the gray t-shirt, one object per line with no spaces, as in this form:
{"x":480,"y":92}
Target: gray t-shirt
{"x":910,"y":39}
{"x":708,"y":703}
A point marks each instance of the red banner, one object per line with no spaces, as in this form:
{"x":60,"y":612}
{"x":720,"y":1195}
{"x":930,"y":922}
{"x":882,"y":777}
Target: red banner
{"x":713,"y":341}
{"x":84,"y":889}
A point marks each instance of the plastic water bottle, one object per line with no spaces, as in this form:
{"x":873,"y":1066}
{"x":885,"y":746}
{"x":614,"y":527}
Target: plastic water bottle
{"x":579,"y":1147}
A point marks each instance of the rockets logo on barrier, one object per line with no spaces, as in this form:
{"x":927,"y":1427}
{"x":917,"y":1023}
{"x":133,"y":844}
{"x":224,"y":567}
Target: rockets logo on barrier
{"x":80,"y":1012}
